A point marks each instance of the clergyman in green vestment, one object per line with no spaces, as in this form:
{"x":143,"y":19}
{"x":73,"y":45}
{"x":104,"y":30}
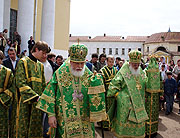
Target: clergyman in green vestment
{"x":152,"y":95}
{"x":128,"y":115}
{"x":74,"y":98}
{"x":30,"y":81}
{"x":108,"y":72}
{"x":6,"y":96}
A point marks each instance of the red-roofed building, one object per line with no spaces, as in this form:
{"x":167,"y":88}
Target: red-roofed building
{"x":163,"y":44}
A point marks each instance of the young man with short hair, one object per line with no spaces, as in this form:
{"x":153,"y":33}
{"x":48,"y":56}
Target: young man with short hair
{"x":30,"y":81}
{"x":108,"y":72}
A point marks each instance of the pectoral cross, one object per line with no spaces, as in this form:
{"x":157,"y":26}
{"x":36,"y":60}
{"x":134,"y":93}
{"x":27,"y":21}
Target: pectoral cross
{"x":138,"y":86}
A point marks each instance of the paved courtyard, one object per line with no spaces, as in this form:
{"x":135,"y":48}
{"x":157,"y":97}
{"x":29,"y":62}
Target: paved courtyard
{"x":169,"y":126}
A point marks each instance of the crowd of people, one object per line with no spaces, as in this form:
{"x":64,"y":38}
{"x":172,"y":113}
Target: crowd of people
{"x":42,"y":95}
{"x":6,"y":43}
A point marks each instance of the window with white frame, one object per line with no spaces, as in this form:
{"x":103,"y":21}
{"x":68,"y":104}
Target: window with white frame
{"x":116,"y":51}
{"x":110,"y":51}
{"x":123,"y":51}
{"x":104,"y":50}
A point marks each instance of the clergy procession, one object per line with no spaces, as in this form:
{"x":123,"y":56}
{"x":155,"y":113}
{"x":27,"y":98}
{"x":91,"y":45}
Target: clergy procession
{"x":40,"y":98}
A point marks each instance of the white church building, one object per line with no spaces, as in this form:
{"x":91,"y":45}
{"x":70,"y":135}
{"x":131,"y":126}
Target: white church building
{"x":117,"y":46}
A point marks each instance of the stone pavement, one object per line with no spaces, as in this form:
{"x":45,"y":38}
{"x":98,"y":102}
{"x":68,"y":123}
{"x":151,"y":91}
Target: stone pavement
{"x":169,"y":126}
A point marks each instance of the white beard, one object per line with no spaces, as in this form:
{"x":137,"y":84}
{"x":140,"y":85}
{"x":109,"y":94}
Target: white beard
{"x":77,"y":73}
{"x":133,"y":71}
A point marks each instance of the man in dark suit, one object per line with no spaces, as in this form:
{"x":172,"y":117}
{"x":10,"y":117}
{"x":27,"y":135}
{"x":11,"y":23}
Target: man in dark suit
{"x":31,"y":43}
{"x":12,"y":60}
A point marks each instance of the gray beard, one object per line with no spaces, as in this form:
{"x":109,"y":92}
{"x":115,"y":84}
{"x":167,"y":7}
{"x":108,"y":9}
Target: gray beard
{"x":133,"y":71}
{"x":77,"y":73}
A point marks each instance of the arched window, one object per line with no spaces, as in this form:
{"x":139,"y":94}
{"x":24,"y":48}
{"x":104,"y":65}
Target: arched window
{"x":161,"y":48}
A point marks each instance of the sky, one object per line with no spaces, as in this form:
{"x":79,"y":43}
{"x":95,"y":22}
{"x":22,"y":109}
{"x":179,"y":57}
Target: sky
{"x":123,"y":17}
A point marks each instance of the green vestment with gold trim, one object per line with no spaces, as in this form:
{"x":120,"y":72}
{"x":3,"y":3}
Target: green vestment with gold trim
{"x":108,"y":74}
{"x":30,"y":81}
{"x":6,"y":97}
{"x":129,"y":114}
{"x":152,"y":95}
{"x":74,"y":116}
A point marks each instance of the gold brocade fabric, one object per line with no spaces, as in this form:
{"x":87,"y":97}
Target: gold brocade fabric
{"x":30,"y":81}
{"x":128,"y":114}
{"x":6,"y":97}
{"x":152,"y":95}
{"x":74,"y":114}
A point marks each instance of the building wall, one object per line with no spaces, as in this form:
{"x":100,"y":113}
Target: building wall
{"x":92,"y":48}
{"x":61,"y":29}
{"x":38,"y":21}
{"x":170,"y":47}
{"x":62,"y":19}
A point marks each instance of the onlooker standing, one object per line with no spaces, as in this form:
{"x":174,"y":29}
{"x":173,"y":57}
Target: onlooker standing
{"x":2,"y":42}
{"x":176,"y":69}
{"x":163,"y":61}
{"x":163,"y":73}
{"x":17,"y":38}
{"x":102,"y":60}
{"x":94,"y":59}
{"x":51,"y":59}
{"x":118,"y":59}
{"x":170,"y":88}
{"x":8,"y":45}
{"x":171,"y":66}
{"x":163,"y":78}
{"x":59,"y":60}
{"x":12,"y":60}
{"x":31,"y":43}
{"x":5,"y":31}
